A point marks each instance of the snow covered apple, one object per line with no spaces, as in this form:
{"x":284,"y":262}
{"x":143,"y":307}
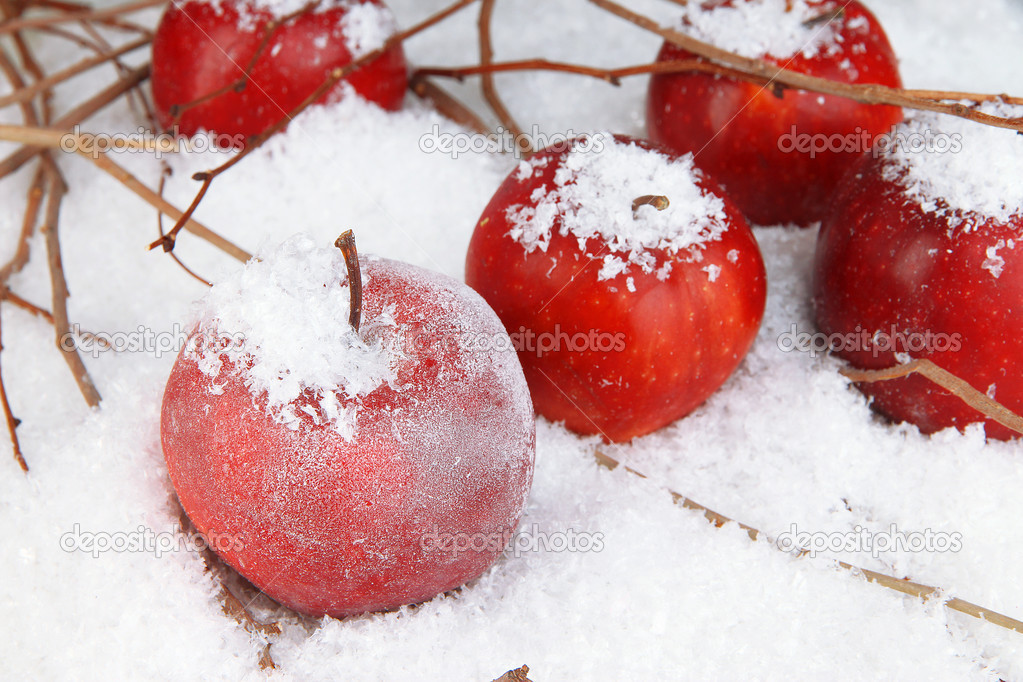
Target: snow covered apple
{"x":922,"y":254}
{"x":354,"y":467}
{"x":202,"y":47}
{"x":630,"y":283}
{"x":778,"y":156}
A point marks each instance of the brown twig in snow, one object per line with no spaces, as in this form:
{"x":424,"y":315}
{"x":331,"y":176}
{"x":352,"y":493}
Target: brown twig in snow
{"x":760,"y":69}
{"x":905,"y":586}
{"x":487,"y":81}
{"x":164,"y":174}
{"x":33,"y":203}
{"x":446,"y":104}
{"x":948,"y":381}
{"x":337,"y":75}
{"x":61,"y":325}
{"x":12,"y":421}
{"x":76,"y":116}
{"x":28,"y":92}
{"x":21,"y":23}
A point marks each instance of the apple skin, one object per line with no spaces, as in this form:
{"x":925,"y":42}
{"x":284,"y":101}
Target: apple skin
{"x":198,"y":49}
{"x":883,"y":261}
{"x":734,"y":127}
{"x":681,"y":337}
{"x":335,"y":527}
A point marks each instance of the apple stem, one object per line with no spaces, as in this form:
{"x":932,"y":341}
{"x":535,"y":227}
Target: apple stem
{"x":346,"y":242}
{"x":658,"y":201}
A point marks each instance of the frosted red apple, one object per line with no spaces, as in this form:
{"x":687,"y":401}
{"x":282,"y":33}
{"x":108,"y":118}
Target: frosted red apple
{"x":923,"y":251}
{"x":381,"y":471}
{"x":203,"y":46}
{"x":778,"y":157}
{"x":627,"y":314}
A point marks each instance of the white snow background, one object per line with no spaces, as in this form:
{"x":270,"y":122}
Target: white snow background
{"x":785,"y":441}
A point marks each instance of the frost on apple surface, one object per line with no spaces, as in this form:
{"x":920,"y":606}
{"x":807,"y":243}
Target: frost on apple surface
{"x":740,"y":27}
{"x":592,"y":198}
{"x":958,"y":168}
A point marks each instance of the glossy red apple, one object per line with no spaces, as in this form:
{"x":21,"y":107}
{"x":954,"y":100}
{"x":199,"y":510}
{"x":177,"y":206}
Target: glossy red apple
{"x":627,"y":314}
{"x":779,"y":158}
{"x":203,"y":46}
{"x":919,"y":255}
{"x":406,"y":481}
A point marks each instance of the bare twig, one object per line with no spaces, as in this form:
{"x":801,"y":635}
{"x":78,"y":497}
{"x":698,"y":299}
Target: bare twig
{"x":33,"y":204}
{"x":62,"y":327}
{"x":12,"y":421}
{"x":77,"y":115}
{"x":20,"y":23}
{"x":948,"y":381}
{"x":905,"y":586}
{"x":447,"y":105}
{"x":487,"y":81}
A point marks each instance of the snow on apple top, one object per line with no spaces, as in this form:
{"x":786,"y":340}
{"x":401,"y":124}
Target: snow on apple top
{"x":290,"y":310}
{"x":592,"y":196}
{"x":953,"y":166}
{"x":365,"y":26}
{"x":759,"y":28}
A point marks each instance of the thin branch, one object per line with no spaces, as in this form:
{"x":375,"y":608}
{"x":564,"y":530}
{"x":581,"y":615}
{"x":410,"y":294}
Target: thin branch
{"x":905,"y":586}
{"x":760,"y":69}
{"x":164,"y":174}
{"x":487,"y":82}
{"x":33,"y":203}
{"x":12,"y":25}
{"x":948,"y":381}
{"x":62,"y":327}
{"x":12,"y":421}
{"x":446,"y":104}
{"x":76,"y":116}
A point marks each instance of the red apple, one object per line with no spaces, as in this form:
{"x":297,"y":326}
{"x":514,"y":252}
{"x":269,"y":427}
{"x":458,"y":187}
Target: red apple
{"x":919,"y":255}
{"x":404,"y":480}
{"x":203,"y":46}
{"x":626,"y":317}
{"x":778,"y":157}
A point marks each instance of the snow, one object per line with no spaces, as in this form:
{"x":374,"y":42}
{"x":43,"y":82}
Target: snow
{"x":591,"y":198}
{"x":739,"y":27}
{"x":281,"y":323}
{"x":785,"y":441}
{"x":948,"y":165}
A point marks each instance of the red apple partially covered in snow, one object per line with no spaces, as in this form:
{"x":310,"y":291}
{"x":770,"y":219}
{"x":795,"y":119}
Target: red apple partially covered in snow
{"x":778,"y":157}
{"x":352,"y":470}
{"x":922,"y":252}
{"x":632,"y":286}
{"x":202,"y":47}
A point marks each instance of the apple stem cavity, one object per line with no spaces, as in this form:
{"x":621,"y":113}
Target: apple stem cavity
{"x":658,"y":201}
{"x":346,"y":242}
